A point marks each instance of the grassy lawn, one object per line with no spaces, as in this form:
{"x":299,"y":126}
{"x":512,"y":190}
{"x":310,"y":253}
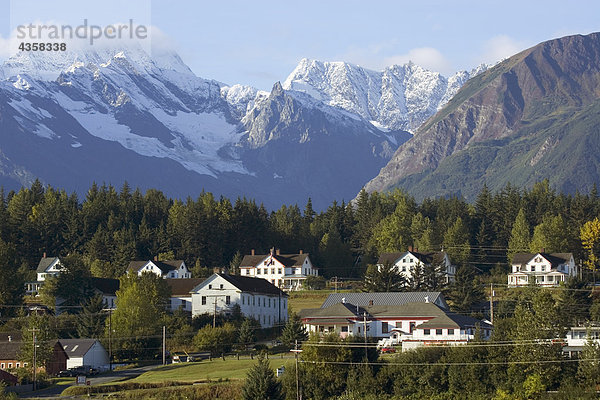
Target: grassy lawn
{"x":204,"y":370}
{"x":307,"y":299}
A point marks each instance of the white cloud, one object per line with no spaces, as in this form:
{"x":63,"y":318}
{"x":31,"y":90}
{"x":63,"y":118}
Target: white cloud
{"x":381,"y":55}
{"x":426,"y":57}
{"x":500,"y":47}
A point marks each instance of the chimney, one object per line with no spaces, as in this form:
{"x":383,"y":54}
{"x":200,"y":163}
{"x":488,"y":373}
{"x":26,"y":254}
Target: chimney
{"x":272,"y":251}
{"x":217,"y":270}
{"x":155,"y":258}
{"x":44,"y":254}
{"x":542,"y":250}
{"x":370,"y":303}
{"x":9,"y":338}
{"x":252,"y":252}
{"x":301,"y":252}
{"x":278,"y":251}
{"x":416,"y":250}
{"x":426,"y":299}
{"x":343,"y":301}
{"x":410,"y":248}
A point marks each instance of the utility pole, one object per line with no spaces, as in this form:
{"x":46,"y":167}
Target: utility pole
{"x":492,"y":303}
{"x":34,"y":338}
{"x":296,"y":351}
{"x":365,"y":334}
{"x":164,"y":346}
{"x":215,"y":314}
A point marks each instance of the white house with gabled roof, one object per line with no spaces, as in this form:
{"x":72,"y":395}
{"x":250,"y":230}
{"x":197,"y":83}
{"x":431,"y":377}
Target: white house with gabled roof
{"x":406,"y":262}
{"x":544,"y":269}
{"x":167,"y":269}
{"x":286,"y":271}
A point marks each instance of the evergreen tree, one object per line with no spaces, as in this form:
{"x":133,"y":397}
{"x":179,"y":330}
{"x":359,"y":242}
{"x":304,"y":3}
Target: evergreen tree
{"x":293,"y":331}
{"x":519,"y":237}
{"x":383,"y":278}
{"x":465,"y":290}
{"x":45,"y":337}
{"x":11,"y":280}
{"x":246,"y":335}
{"x":434,"y":275}
{"x":261,"y":383}
{"x":91,"y":319}
{"x":456,"y":242}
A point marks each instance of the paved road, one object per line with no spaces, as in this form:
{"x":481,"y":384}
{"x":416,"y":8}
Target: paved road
{"x":54,"y":392}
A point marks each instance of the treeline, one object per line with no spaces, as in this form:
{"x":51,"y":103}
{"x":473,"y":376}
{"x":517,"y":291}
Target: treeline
{"x":111,"y":227}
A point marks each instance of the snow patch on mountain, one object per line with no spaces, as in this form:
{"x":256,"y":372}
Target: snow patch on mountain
{"x":401,"y":97}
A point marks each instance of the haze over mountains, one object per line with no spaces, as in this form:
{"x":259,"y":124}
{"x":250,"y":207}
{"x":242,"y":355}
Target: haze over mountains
{"x":536,"y":115}
{"x":119,"y":115}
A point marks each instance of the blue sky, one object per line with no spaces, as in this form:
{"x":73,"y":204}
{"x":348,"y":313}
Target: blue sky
{"x":260,"y":42}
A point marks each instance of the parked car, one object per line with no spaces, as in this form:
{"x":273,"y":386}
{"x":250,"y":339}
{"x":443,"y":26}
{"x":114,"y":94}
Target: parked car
{"x":388,"y":350}
{"x":84,"y":370}
{"x":67,"y":373}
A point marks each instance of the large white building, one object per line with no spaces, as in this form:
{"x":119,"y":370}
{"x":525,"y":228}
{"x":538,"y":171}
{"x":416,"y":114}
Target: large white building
{"x":286,"y":271}
{"x":257,"y":298}
{"x":411,"y":324}
{"x":543,"y":269}
{"x":406,"y":262}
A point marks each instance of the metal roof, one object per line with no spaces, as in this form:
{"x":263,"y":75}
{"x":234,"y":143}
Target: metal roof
{"x":385,"y":298}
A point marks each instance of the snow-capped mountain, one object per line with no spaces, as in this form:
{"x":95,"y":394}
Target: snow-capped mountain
{"x":401,"y":97}
{"x":120,"y":115}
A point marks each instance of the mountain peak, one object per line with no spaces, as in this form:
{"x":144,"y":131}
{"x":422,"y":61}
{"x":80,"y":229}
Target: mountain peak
{"x":527,"y":118}
{"x":401,"y":97}
{"x":49,"y":65}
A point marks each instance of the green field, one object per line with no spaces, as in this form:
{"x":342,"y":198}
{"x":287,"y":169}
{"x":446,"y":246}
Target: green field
{"x":307,"y":299}
{"x":204,"y":371}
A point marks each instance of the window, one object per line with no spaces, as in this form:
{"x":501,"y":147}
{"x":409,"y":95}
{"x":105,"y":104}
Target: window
{"x":450,"y":332}
{"x":227,"y":300}
{"x":253,"y":300}
{"x":2,"y":366}
{"x":210,"y":286}
{"x":543,"y":267}
{"x":221,"y":286}
{"x":412,"y":327}
{"x":203,"y":300}
{"x":404,"y":260}
{"x":243,"y":300}
{"x":279,"y":271}
{"x":9,"y":365}
{"x":403,"y":268}
{"x":426,"y":331}
{"x":344,"y":329}
{"x":438,"y":331}
{"x":384,"y":327}
{"x":183,"y":302}
{"x":18,"y":365}
{"x":257,"y":271}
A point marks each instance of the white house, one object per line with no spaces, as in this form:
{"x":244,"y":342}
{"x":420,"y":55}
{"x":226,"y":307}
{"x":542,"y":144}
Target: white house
{"x":167,"y":269}
{"x":88,"y":352}
{"x":411,"y":324}
{"x":578,"y":337}
{"x":406,"y":262}
{"x":257,"y":298}
{"x":541,"y":268}
{"x":365,"y":299}
{"x":181,"y":293}
{"x":286,"y":271}
{"x":47,"y":267}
